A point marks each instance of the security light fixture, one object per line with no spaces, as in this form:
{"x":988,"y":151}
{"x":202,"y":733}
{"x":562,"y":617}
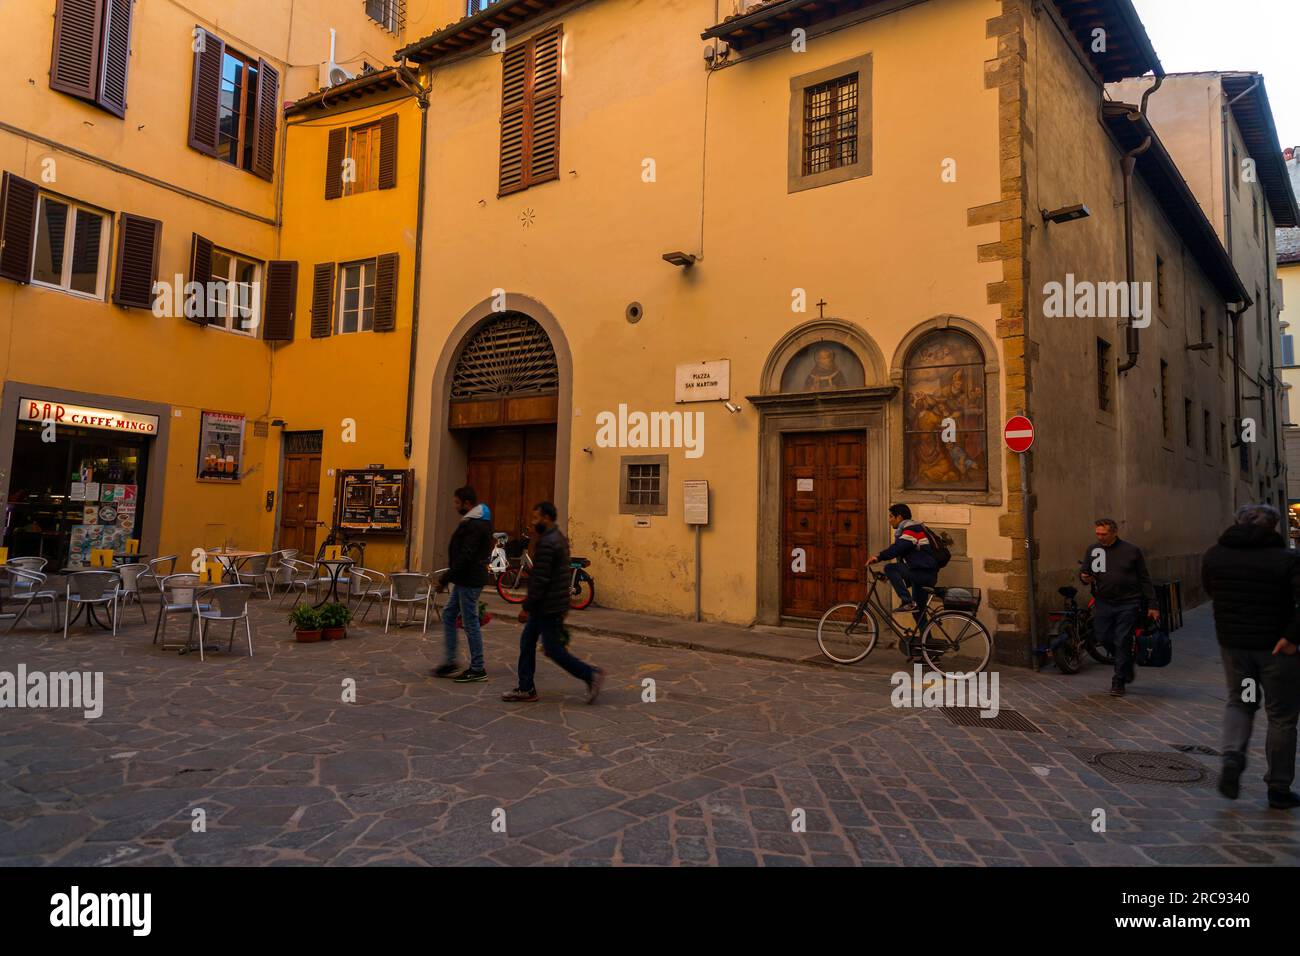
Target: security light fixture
{"x":683,"y":259}
{"x":731,"y":407}
{"x":1066,"y":214}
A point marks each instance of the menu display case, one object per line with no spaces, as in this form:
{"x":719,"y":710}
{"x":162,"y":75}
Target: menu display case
{"x":375,"y":501}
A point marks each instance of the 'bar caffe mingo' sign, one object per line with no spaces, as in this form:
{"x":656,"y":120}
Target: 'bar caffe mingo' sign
{"x":704,"y":381}
{"x":33,"y":410}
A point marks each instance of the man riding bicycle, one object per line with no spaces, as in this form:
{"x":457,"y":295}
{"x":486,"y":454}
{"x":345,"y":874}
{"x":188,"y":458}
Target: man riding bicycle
{"x":916,"y":567}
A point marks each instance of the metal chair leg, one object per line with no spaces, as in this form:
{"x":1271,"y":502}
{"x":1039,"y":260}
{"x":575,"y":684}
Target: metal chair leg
{"x":248,"y":629}
{"x":201,"y":657}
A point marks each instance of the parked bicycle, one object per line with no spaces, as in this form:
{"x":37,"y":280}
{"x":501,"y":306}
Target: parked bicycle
{"x":951,"y":640}
{"x":512,"y":583}
{"x":1071,"y":634}
{"x":353,"y":548}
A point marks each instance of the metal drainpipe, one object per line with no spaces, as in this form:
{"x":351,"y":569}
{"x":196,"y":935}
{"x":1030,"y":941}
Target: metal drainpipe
{"x":1132,"y":340}
{"x":1235,"y":314}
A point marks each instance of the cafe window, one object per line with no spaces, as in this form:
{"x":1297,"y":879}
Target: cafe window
{"x":71,"y":247}
{"x":233,"y":299}
{"x":363,"y":149}
{"x":643,"y":485}
{"x":356,"y":306}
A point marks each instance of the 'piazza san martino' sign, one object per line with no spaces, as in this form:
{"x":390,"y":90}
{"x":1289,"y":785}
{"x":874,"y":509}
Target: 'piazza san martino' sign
{"x":34,"y":410}
{"x":704,"y":381}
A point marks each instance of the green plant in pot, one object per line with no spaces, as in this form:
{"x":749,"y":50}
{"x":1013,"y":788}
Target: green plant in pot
{"x":483,"y":616}
{"x":334,"y":618}
{"x":306,"y":623}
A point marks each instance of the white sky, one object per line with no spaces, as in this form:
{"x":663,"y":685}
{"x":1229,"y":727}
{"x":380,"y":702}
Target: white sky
{"x":1261,"y":35}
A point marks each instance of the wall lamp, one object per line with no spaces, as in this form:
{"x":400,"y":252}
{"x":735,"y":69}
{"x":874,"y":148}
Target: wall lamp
{"x":1066,"y":214}
{"x":731,"y":407}
{"x":683,"y":259}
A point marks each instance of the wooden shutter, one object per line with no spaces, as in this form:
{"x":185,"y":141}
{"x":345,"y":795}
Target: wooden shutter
{"x":514,"y":96}
{"x":205,"y":92}
{"x":386,"y":293}
{"x":115,"y":56}
{"x":266,"y":119}
{"x":388,"y":151}
{"x":78,"y":38}
{"x":334,"y":156}
{"x":200,"y":272}
{"x":544,"y":122}
{"x":18,"y":199}
{"x":322,"y":301}
{"x":281,"y":301}
{"x":138,"y":243}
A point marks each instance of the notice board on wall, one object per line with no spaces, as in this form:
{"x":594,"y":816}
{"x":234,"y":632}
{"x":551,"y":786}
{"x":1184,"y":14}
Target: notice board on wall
{"x":372,"y":501}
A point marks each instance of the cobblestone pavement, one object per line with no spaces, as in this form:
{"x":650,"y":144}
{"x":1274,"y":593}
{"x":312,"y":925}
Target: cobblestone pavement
{"x":711,"y":772}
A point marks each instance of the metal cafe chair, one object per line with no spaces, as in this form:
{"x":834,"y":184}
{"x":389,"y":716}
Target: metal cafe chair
{"x":224,"y":602}
{"x":304,"y":576}
{"x":131,"y":586}
{"x":90,"y":589}
{"x":158,"y":569}
{"x":177,"y":591}
{"x":29,"y":587}
{"x":370,"y":587}
{"x":277,"y":569}
{"x":255,"y":568}
{"x":410,"y":588}
{"x":30,"y":563}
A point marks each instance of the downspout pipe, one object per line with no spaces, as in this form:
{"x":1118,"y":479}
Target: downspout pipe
{"x":1132,"y":337}
{"x":421,"y":94}
{"x":1235,"y":315}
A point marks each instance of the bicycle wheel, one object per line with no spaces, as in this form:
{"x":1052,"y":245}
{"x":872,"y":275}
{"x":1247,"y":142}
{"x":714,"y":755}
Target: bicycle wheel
{"x":512,"y":584}
{"x":956,"y":645}
{"x":1066,"y":651}
{"x":583,"y":591}
{"x":847,"y":633}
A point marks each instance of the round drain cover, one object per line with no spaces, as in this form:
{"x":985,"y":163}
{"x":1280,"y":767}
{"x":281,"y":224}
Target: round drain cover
{"x":1153,"y":767}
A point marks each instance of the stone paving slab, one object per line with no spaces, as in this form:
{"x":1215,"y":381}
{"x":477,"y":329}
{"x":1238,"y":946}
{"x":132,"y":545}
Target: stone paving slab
{"x":714,"y":771}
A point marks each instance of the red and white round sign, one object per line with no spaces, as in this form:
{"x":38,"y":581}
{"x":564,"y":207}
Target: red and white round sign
{"x":1018,"y":433}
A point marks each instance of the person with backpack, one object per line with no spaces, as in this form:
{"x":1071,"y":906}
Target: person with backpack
{"x":918,"y":552}
{"x":1121,"y":584}
{"x":467,"y":557}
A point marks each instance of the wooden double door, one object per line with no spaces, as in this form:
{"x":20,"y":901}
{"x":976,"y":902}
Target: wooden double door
{"x":823,"y":513}
{"x":511,"y":469}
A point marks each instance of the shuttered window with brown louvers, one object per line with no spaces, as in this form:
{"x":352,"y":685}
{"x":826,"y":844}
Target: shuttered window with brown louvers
{"x":281,"y":300}
{"x":78,"y":40}
{"x":322,"y":300}
{"x":138,"y":242}
{"x":18,"y":199}
{"x":530,"y":112}
{"x":200,"y":272}
{"x":264,"y":123}
{"x":334,"y":157}
{"x":388,"y":151}
{"x":205,"y":91}
{"x":386,"y":293}
{"x":115,"y":57}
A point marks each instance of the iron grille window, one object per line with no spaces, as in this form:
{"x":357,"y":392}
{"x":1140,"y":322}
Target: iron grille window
{"x":303,"y":443}
{"x":1164,"y":399}
{"x":1187,"y":420}
{"x":1209,"y":441}
{"x":643,"y":484}
{"x":1160,"y":282}
{"x":508,"y":356}
{"x":830,"y":125}
{"x":1103,"y":375}
{"x":1223,"y":442}
{"x":389,"y":14}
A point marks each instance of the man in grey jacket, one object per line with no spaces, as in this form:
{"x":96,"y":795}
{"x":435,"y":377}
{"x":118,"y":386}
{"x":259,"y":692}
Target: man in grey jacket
{"x":1117,"y":572}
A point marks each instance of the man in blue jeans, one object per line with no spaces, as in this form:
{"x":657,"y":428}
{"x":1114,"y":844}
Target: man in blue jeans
{"x":1117,"y":572}
{"x":468,"y":553}
{"x":916,"y":567}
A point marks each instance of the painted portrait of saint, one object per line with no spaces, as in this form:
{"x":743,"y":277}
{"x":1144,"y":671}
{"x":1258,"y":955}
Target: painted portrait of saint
{"x":945,"y":444}
{"x":822,"y":367}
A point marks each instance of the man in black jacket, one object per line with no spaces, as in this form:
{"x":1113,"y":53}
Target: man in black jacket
{"x":467,"y":557}
{"x":544,"y":608}
{"x":1120,"y":582}
{"x":1254,"y":581}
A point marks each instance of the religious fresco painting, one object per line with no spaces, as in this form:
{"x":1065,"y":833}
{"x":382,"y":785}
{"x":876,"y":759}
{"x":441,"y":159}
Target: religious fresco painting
{"x":944,"y":379}
{"x":822,"y":367}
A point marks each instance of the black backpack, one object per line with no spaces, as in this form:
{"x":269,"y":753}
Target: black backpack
{"x":939,"y":546}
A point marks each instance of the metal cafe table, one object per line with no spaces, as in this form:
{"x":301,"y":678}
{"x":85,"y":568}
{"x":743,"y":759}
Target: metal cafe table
{"x":229,"y":559}
{"x":335,"y":566}
{"x":91,"y":615}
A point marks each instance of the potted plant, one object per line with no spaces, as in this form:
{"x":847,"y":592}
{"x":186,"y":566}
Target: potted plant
{"x":306,"y":623}
{"x":334,"y":618}
{"x":484,"y":616}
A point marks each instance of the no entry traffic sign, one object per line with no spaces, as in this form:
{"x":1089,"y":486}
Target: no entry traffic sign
{"x":1018,"y":434}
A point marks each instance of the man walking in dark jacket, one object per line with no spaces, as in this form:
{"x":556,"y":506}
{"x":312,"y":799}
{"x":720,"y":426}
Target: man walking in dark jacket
{"x":1118,"y":574}
{"x":1254,"y":582}
{"x":544,"y":608}
{"x":467,"y":557}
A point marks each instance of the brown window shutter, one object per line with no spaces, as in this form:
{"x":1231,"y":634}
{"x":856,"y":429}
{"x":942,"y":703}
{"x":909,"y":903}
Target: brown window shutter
{"x":386,"y":293}
{"x":138,"y":242}
{"x":78,"y":36}
{"x":115,"y":56}
{"x":388,"y":151}
{"x":18,"y":199}
{"x":322,"y":301}
{"x":266,"y":119}
{"x":334,"y":156}
{"x":200,"y":272}
{"x":514,"y":97}
{"x":544,"y":118}
{"x":281,"y":301}
{"x":205,"y":92}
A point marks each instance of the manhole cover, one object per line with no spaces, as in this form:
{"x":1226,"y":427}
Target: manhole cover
{"x":1144,"y":766}
{"x":1005,"y":720}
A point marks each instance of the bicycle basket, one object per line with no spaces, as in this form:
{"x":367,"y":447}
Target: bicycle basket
{"x":961,"y":599}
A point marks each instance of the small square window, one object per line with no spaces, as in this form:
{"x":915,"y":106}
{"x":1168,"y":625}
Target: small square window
{"x":643,"y":485}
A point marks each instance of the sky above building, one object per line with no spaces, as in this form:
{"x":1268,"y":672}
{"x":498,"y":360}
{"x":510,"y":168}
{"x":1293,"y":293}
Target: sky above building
{"x":1260,"y":35}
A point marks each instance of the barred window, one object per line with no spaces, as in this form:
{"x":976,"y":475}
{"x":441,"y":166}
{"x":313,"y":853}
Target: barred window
{"x":643,"y":485}
{"x":389,"y":14}
{"x":1103,"y":375}
{"x":830,"y":137}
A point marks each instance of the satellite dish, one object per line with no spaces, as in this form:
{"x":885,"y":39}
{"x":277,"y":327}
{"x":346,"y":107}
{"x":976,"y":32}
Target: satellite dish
{"x":339,"y":75}
{"x":331,"y":73}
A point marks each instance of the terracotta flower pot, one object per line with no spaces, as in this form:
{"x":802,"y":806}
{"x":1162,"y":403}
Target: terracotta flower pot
{"x":307,"y":637}
{"x":333,"y":633}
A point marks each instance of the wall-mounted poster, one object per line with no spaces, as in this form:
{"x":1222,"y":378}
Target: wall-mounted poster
{"x":221,"y":447}
{"x":375,"y":501}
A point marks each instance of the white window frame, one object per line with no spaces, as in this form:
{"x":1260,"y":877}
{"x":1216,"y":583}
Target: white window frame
{"x":226,"y":323}
{"x":105,"y":243}
{"x":365,"y":317}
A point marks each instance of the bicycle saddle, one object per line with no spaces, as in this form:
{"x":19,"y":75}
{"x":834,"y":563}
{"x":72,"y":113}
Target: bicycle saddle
{"x":579,"y":562}
{"x":1067,"y":591}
